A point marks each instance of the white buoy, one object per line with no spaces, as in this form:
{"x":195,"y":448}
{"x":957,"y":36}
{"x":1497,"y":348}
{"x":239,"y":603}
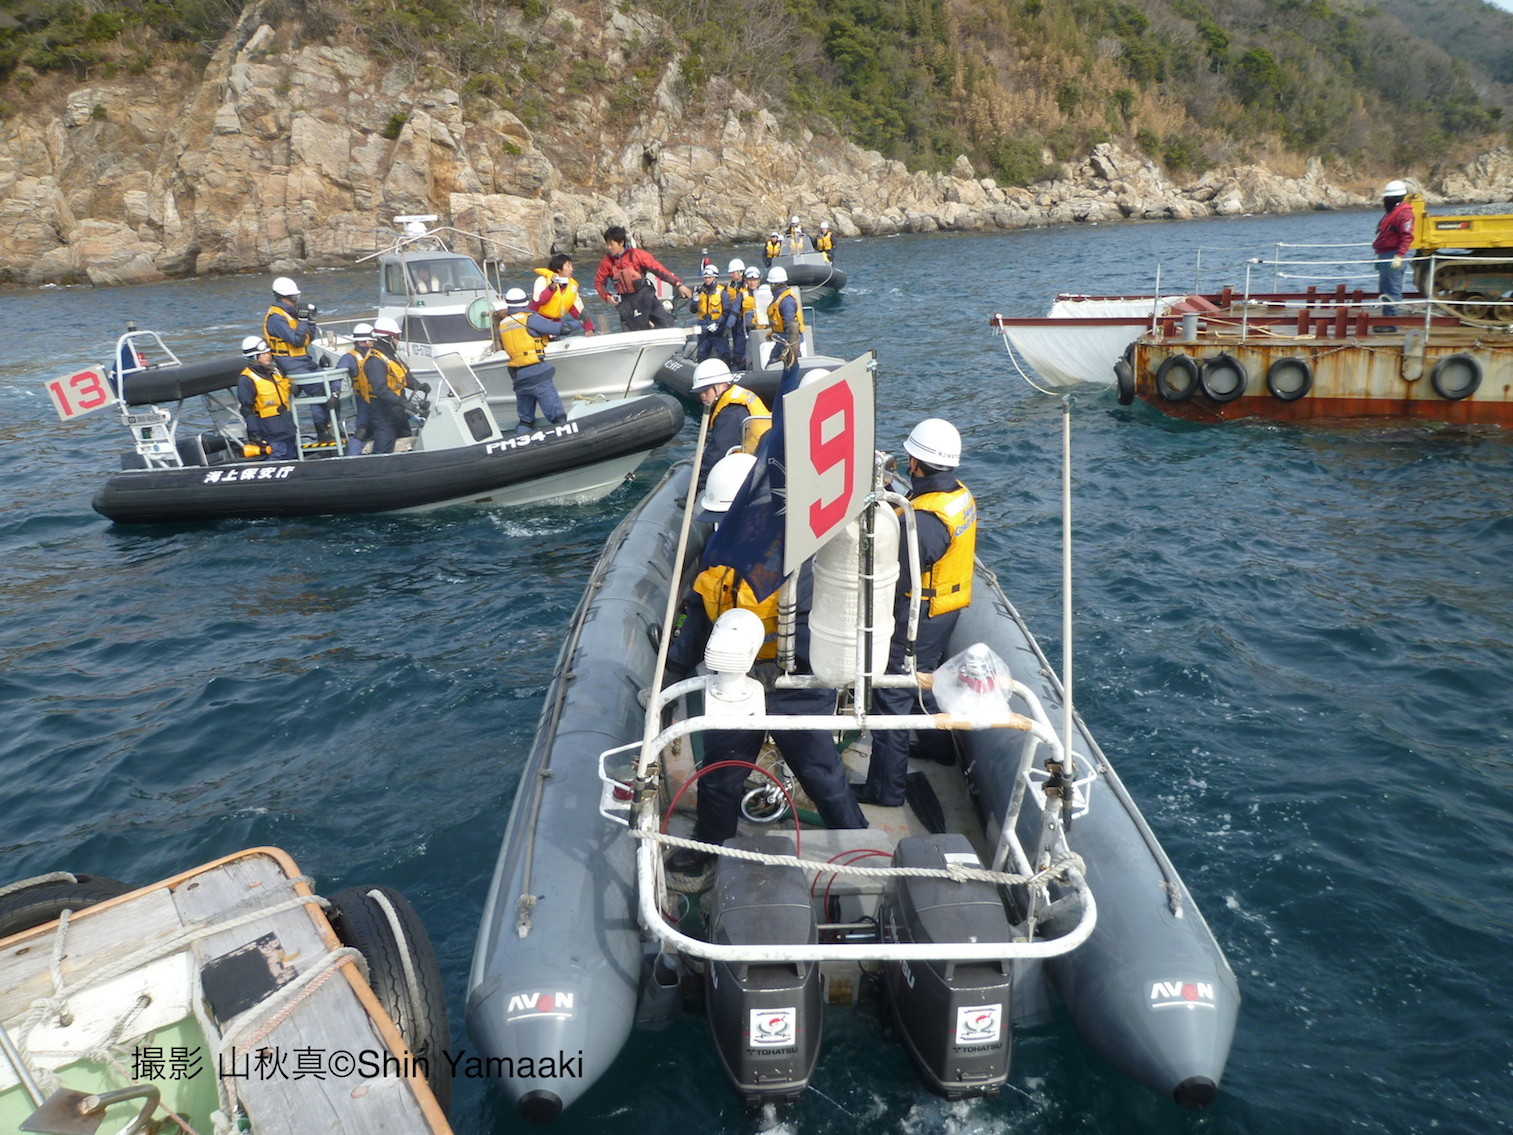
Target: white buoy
{"x":836,"y":615}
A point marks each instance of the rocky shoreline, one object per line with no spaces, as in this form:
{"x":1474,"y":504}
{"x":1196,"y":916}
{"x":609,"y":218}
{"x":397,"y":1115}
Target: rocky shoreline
{"x":286,"y":158}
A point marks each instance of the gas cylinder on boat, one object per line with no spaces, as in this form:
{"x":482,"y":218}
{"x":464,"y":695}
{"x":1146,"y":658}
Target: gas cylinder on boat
{"x":837,"y":608}
{"x":766,"y":1017}
{"x":953,"y":1017}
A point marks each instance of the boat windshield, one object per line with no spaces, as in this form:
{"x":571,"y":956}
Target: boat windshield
{"x":439,"y":275}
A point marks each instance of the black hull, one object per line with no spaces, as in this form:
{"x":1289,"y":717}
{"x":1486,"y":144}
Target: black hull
{"x":677,"y":375}
{"x":386,"y":482}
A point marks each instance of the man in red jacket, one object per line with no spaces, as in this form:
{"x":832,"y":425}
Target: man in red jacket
{"x":625,"y":270}
{"x":1394,"y":241}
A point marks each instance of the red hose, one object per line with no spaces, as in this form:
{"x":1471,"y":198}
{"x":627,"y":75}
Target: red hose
{"x":798,"y":839}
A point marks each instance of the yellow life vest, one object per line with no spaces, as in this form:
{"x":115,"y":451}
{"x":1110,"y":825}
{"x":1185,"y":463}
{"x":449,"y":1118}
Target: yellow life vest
{"x":775,"y":316}
{"x":738,"y":299}
{"x":947,"y":583}
{"x":558,"y":300}
{"x":722,"y":590}
{"x":774,"y":248}
{"x":397,"y":378}
{"x":272,"y":397}
{"x":281,"y":349}
{"x":737,"y":396}
{"x":516,"y":340}
{"x":710,"y":305}
{"x":824,"y":243}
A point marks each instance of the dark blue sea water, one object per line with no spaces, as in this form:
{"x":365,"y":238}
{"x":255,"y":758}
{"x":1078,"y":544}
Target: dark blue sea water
{"x":1292,"y":642}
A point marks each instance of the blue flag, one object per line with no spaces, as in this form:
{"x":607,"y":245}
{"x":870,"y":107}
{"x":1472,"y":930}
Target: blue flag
{"x":750,"y":538}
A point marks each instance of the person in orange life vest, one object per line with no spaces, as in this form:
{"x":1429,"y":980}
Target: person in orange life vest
{"x":728,"y":406}
{"x":946,"y":519}
{"x":1394,"y":240}
{"x":785,"y":314}
{"x":626,"y":269}
{"x":556,"y":296}
{"x":387,"y":378}
{"x":263,"y":393}
{"x":289,"y":326}
{"x":523,"y":335}
{"x":772,"y":249}
{"x":795,"y":243}
{"x":738,"y":305}
{"x":825,"y":242}
{"x":710,"y":310}
{"x":351,"y":362}
{"x":811,"y":754}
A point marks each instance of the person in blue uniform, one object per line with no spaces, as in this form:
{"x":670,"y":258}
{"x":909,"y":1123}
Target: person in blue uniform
{"x":262,"y":390}
{"x":772,"y":249}
{"x":351,"y":362}
{"x":709,"y":309}
{"x":785,"y":314}
{"x":738,"y":308}
{"x":728,"y":405}
{"x":523,"y":335}
{"x":825,"y":241}
{"x":387,"y":378}
{"x":946,"y":520}
{"x":811,"y":755}
{"x":289,"y":326}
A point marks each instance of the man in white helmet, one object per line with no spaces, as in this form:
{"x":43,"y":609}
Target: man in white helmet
{"x":811,"y":754}
{"x":772,"y":249}
{"x":709,"y":308}
{"x":728,"y":406}
{"x":351,"y":361}
{"x":1394,"y":242}
{"x":825,"y":242}
{"x":263,"y":392}
{"x":289,"y":326}
{"x":385,"y":379}
{"x":523,"y":335}
{"x":738,"y":307}
{"x":785,"y":314}
{"x":946,"y":518}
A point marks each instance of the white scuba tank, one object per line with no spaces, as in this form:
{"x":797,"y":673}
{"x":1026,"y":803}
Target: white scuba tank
{"x":835,"y":617}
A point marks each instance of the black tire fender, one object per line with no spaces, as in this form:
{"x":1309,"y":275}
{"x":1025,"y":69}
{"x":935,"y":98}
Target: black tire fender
{"x":1456,"y":376}
{"x":1124,"y":382}
{"x":396,"y":948}
{"x":41,"y":903}
{"x":1177,"y":378}
{"x":1223,"y":378}
{"x":1289,"y":379}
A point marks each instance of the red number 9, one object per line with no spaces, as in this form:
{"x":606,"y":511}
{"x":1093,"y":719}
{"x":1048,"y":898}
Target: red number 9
{"x":837,"y":449}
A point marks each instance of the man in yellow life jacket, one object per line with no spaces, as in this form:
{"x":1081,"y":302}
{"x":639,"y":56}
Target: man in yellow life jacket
{"x":263,"y":392}
{"x":795,"y":243}
{"x":825,"y":241}
{"x":738,"y":305}
{"x":785,"y":314}
{"x":946,"y":518}
{"x":811,"y":754}
{"x":709,"y":309}
{"x":386,"y":378}
{"x":289,"y":327}
{"x":728,"y":406}
{"x":351,"y":361}
{"x":556,"y":296}
{"x":523,"y":335}
{"x":772,"y":249}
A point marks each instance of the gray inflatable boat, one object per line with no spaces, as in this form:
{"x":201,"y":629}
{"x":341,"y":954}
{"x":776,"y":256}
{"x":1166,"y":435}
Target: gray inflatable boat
{"x":1017,"y":870}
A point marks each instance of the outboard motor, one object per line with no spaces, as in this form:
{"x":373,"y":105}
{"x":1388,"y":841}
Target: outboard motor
{"x":766,"y":1018}
{"x":953,"y":1017}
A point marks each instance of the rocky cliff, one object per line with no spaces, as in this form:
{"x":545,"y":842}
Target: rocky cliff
{"x":285,"y":155}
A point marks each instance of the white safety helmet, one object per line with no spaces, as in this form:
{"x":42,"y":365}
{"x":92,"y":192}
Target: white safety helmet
{"x":385,"y":325}
{"x":753,"y":273}
{"x":709,"y":270}
{"x":254,"y":345}
{"x":709,"y":372}
{"x":1395,"y":189}
{"x":736,"y":266}
{"x":812,"y":376}
{"x":793,"y":220}
{"x":824,"y":225}
{"x":725,"y":481}
{"x":935,"y":441}
{"x":285,"y":287}
{"x":777,"y":275}
{"x":362,"y":332}
{"x":774,"y":234}
{"x":516,"y":297}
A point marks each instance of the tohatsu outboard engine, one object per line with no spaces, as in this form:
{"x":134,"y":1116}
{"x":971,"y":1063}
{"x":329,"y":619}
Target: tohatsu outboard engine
{"x":953,"y":1017}
{"x":766,"y":1017}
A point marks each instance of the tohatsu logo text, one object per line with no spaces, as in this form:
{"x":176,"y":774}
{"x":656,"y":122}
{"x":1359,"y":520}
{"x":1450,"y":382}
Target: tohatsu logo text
{"x":1182,"y":995}
{"x":540,"y":1003}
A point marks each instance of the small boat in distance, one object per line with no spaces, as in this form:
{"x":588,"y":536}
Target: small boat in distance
{"x":229,"y":997}
{"x":813,"y":274}
{"x":205,"y":468}
{"x":444,"y":304}
{"x":1021,"y":868}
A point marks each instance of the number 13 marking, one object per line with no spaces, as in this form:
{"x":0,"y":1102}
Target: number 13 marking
{"x":79,"y":393}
